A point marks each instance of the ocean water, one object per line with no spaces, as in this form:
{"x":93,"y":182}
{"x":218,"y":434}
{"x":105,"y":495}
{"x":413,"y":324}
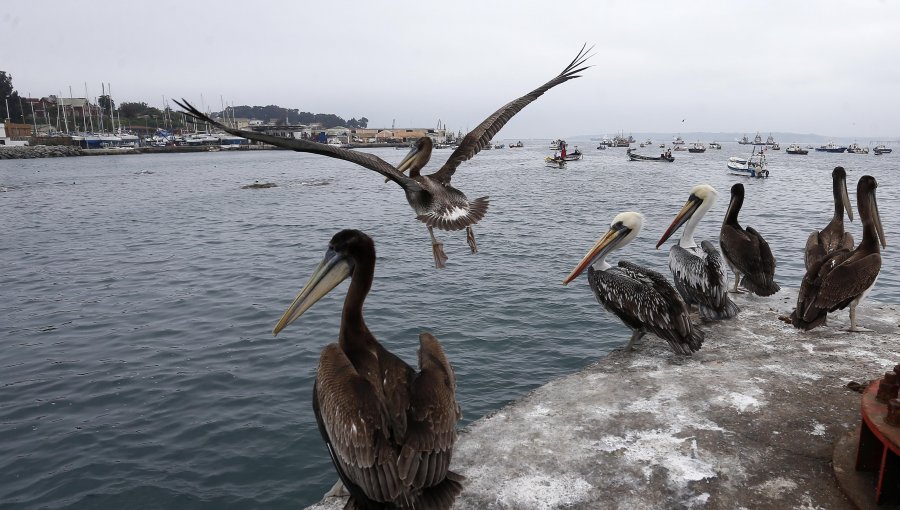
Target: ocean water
{"x":137,"y":365}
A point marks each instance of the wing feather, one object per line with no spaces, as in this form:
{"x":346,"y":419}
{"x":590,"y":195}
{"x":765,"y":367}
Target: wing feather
{"x":476,"y":139}
{"x":363,"y":159}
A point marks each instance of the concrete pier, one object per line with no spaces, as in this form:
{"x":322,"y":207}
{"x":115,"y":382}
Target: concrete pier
{"x":750,"y":421}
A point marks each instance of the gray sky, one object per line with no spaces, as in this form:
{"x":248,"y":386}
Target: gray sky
{"x":822,"y":67}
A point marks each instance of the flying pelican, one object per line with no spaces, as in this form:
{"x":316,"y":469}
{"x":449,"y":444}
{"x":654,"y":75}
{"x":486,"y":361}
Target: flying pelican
{"x":832,"y":237}
{"x":844,"y":277}
{"x":747,"y":253}
{"x":640,"y":297}
{"x":435,"y":202}
{"x":699,"y":273}
{"x":390,"y":430}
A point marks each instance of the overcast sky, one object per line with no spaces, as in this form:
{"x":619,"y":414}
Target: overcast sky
{"x":825,"y":67}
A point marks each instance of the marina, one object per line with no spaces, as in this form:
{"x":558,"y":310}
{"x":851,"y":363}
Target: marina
{"x":189,"y":398}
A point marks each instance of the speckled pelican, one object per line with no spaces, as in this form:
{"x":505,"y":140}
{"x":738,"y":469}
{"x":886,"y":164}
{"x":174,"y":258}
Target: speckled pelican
{"x":643,"y":299}
{"x":435,"y":202}
{"x":747,"y":253}
{"x":699,"y":272}
{"x":844,"y":277}
{"x":832,"y":237}
{"x":390,"y":430}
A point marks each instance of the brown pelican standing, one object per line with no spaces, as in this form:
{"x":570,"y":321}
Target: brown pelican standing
{"x":390,"y":430}
{"x":643,"y":299}
{"x":832,"y":237}
{"x":747,"y":253}
{"x":699,"y":272}
{"x":844,"y":277}
{"x":435,"y":202}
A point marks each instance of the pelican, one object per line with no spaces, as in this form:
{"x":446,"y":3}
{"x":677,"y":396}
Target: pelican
{"x":832,"y":237}
{"x":699,"y":273}
{"x":747,"y":253}
{"x":640,"y":297}
{"x":389,"y":429}
{"x":844,"y":277}
{"x":435,"y":202}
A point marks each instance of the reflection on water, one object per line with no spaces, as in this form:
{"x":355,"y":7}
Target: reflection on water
{"x":139,"y":367}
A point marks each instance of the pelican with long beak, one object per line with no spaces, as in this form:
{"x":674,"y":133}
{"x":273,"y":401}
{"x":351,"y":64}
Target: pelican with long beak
{"x":389,"y":430}
{"x":699,"y":272}
{"x":832,"y":238}
{"x":844,"y":277}
{"x":641,"y":298}
{"x":434,"y":201}
{"x":747,"y":253}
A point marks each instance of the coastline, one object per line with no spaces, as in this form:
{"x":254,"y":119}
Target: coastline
{"x":750,"y":420}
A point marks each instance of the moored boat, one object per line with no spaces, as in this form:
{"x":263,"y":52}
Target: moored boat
{"x":697,"y":147}
{"x":831,"y":147}
{"x":715,"y":145}
{"x":881,"y":149}
{"x":796,"y":149}
{"x":666,"y":157}
{"x":855,"y":148}
{"x":754,"y":166}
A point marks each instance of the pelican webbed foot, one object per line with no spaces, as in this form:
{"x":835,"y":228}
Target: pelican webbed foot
{"x":470,"y":238}
{"x":337,"y":491}
{"x":437,"y":248}
{"x":635,"y":336}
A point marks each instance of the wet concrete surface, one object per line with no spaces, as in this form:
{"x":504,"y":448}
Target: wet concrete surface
{"x":750,"y":421}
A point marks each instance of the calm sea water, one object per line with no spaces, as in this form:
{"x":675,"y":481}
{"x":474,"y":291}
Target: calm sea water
{"x":138,"y":369}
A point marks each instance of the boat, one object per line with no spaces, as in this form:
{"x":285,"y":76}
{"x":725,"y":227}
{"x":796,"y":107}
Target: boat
{"x":881,"y":149}
{"x":621,"y":141}
{"x":648,"y":142}
{"x":697,"y":147}
{"x":744,"y":140}
{"x":574,"y":155}
{"x":679,"y":148}
{"x":601,"y":147}
{"x":757,"y":140}
{"x":856,"y":149}
{"x":776,"y":147}
{"x":715,"y":145}
{"x":662,"y":146}
{"x":516,"y":145}
{"x":554,"y":145}
{"x":771,"y":140}
{"x":754,"y":166}
{"x":555,"y":162}
{"x":796,"y":149}
{"x":678,"y":141}
{"x":831,"y":147}
{"x":499,"y":146}
{"x":665,"y":157}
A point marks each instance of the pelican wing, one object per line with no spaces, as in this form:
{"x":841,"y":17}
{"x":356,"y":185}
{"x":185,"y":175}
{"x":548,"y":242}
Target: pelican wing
{"x":363,"y":159}
{"x":356,"y":422}
{"x":476,"y":139}
{"x":702,"y":280}
{"x":433,"y":413}
{"x":847,"y":281}
{"x":750,"y":255}
{"x":815,"y":250}
{"x":806,"y":314}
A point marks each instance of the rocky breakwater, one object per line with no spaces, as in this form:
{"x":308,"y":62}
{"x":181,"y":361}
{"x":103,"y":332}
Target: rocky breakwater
{"x":39,"y":151}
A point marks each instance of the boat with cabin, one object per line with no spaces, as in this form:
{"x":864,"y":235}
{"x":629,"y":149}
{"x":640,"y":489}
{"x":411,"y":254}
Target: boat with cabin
{"x":855,"y":148}
{"x":795,"y":148}
{"x":715,"y":145}
{"x":831,"y":147}
{"x":697,"y":147}
{"x":754,"y":166}
{"x":882,"y":149}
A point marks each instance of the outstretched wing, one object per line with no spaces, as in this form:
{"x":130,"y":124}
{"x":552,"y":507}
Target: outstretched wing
{"x":481,"y":135}
{"x":363,"y":159}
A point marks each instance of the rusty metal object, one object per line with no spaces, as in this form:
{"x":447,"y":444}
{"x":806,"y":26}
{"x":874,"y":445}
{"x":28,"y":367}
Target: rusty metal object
{"x":888,"y":388}
{"x":893,"y":413}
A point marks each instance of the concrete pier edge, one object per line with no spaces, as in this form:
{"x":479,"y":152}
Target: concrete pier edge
{"x":750,"y":421}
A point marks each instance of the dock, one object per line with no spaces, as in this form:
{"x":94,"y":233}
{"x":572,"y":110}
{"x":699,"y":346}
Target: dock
{"x":749,"y":421}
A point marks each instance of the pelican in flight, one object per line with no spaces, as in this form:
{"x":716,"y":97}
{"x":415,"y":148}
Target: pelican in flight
{"x":389,"y":429}
{"x":747,"y":253}
{"x":434,"y":201}
{"x":643,"y":299}
{"x":699,"y":272}
{"x":844,"y":277}
{"x":832,"y":237}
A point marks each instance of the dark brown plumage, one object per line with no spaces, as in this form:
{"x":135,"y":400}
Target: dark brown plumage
{"x":747,"y":253}
{"x":844,"y":277}
{"x":435,"y":202}
{"x":389,"y":429}
{"x":832,"y":238}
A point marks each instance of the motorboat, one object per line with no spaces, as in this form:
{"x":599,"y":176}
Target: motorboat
{"x":795,"y":148}
{"x":744,"y":140}
{"x":754,"y":166}
{"x":831,"y":147}
{"x":516,"y":145}
{"x":665,"y":157}
{"x":601,"y":147}
{"x":856,"y":149}
{"x":715,"y":145}
{"x":697,"y":147}
{"x":881,"y":149}
{"x":678,"y":141}
{"x":775,"y":147}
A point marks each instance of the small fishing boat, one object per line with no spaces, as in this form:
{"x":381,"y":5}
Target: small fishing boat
{"x":744,"y":140}
{"x":517,"y":145}
{"x":553,"y":162}
{"x":776,"y":147}
{"x":678,"y":141}
{"x":697,"y":147}
{"x":662,"y":146}
{"x":856,"y":149}
{"x":715,"y":145}
{"x":754,"y":166}
{"x":831,"y":147}
{"x":574,"y":155}
{"x":554,"y":145}
{"x":796,"y":149}
{"x":666,"y":157}
{"x":881,"y":149}
{"x":601,"y":147}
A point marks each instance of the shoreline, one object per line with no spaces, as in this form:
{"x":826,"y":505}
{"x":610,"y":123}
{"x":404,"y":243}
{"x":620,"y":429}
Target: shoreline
{"x":750,"y":420}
